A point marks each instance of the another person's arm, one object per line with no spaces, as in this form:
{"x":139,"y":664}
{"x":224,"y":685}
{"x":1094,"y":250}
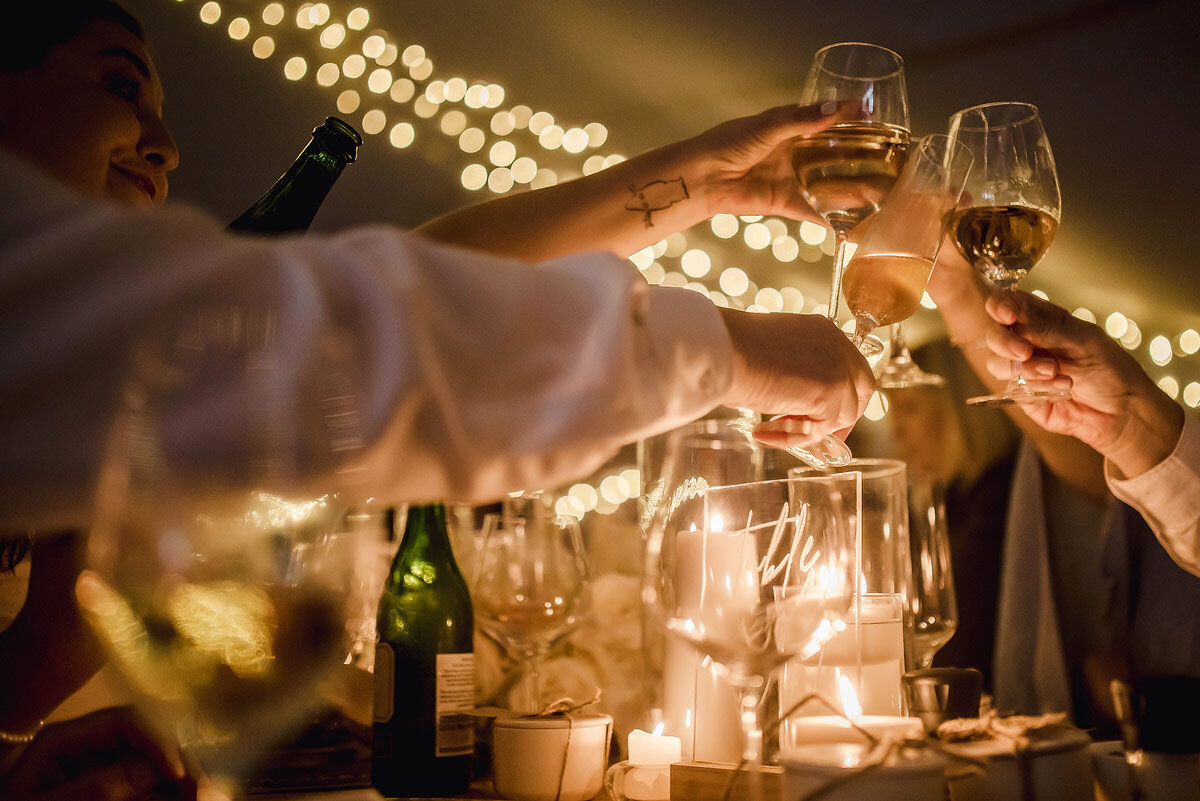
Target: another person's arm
{"x":475,"y":375}
{"x":1151,"y":451}
{"x":739,"y":167}
{"x":961,"y":296}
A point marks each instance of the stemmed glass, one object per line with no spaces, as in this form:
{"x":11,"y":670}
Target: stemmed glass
{"x":1011,"y":211}
{"x":751,"y":575}
{"x":891,"y":266}
{"x":934,"y":605}
{"x":901,"y":369}
{"x":531,"y":585}
{"x":846,"y":171}
{"x":219,"y":585}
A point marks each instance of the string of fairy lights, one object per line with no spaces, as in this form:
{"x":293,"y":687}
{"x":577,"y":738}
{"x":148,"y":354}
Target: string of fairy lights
{"x":394,"y":90}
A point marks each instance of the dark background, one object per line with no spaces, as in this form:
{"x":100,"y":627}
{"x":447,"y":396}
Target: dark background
{"x":1116,"y":83}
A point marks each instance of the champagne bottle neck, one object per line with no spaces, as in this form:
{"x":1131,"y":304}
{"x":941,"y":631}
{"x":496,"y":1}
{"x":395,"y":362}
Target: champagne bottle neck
{"x":425,"y":533}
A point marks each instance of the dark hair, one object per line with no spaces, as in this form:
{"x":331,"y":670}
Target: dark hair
{"x":13,"y":548}
{"x":39,"y":27}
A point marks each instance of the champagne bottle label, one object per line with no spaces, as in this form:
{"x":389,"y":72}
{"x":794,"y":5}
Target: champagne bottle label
{"x":385,"y":675}
{"x":455,"y":701}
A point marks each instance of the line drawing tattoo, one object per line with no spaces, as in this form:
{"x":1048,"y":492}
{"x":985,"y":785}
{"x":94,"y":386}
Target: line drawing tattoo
{"x":656,"y":196}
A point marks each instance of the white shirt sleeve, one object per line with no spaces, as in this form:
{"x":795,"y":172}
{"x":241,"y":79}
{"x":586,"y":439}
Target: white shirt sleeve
{"x":1168,"y":497}
{"x":472,"y":375}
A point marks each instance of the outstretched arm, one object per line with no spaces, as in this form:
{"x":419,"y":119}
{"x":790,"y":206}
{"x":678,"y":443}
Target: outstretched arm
{"x":961,"y":298}
{"x":739,"y":167}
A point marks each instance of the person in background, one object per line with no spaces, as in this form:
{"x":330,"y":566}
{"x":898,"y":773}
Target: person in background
{"x":1087,"y":593}
{"x":591,"y":357}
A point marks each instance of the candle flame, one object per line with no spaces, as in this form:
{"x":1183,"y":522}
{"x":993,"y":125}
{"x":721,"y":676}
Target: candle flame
{"x":658,"y":730}
{"x":717,"y":524}
{"x":850,"y":702}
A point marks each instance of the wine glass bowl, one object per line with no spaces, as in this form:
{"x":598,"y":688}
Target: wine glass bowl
{"x":750,"y":575}
{"x":1011,"y":210}
{"x":531,"y":585}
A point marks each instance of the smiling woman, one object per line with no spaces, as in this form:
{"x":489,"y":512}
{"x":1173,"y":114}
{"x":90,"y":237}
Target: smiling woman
{"x":90,"y":71}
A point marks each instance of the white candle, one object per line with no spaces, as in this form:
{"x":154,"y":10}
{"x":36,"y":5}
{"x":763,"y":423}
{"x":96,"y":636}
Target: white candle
{"x":821,"y":729}
{"x":650,"y":756}
{"x":654,"y":748}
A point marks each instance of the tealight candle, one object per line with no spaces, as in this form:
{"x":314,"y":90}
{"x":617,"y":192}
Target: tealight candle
{"x":646,"y":775}
{"x":820,"y":729}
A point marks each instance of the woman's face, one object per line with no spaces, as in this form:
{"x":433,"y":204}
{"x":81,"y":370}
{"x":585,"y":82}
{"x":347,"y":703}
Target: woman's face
{"x":91,"y":115}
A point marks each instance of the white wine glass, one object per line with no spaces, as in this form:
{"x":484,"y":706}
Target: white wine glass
{"x":1011,"y":210}
{"x":219,"y":583}
{"x":847,"y":171}
{"x":934,"y":604}
{"x":531,"y":585}
{"x":751,"y":575}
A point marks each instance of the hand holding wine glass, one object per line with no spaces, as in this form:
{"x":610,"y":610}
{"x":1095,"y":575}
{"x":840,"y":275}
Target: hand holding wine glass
{"x":846,"y":171}
{"x":1011,"y":211}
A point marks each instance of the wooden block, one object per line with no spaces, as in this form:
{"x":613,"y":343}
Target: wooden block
{"x":707,"y":781}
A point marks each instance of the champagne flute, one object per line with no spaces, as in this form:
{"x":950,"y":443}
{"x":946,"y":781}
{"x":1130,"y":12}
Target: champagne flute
{"x":1012,"y":211}
{"x":846,"y":171}
{"x":750,"y":575}
{"x":220,"y":588}
{"x":934,"y":605}
{"x":531,"y":585}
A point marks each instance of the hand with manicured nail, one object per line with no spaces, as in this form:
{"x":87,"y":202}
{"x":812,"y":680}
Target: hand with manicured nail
{"x":1114,"y":406}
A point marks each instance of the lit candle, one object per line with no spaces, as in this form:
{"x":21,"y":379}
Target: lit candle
{"x":650,"y":757}
{"x":819,"y":729}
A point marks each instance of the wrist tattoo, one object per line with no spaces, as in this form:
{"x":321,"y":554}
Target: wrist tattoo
{"x":656,"y":196}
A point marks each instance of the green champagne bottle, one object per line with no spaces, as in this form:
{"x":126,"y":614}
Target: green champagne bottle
{"x":292,"y":201}
{"x":424,"y":738}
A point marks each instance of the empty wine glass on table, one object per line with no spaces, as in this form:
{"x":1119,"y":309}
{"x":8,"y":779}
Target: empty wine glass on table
{"x":934,"y":604}
{"x":220,"y":588}
{"x":750,"y":575}
{"x":531,"y":585}
{"x":1010,"y":213}
{"x":846,"y":171}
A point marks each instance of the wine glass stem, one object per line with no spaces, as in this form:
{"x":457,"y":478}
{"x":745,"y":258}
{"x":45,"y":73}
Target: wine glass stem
{"x":531,"y":682}
{"x":752,"y":739}
{"x":835,"y":292}
{"x":1018,"y":374}
{"x":899,"y":346}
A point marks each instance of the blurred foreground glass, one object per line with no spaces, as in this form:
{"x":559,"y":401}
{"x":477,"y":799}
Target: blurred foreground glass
{"x":218,"y":584}
{"x":750,"y":575}
{"x":1010,"y":211}
{"x":531,"y":585}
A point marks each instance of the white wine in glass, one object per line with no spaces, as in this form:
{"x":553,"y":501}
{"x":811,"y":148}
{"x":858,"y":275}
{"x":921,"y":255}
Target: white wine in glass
{"x":1011,"y":211}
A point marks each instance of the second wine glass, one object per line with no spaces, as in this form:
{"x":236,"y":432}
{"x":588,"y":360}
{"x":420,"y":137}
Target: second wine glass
{"x":1011,"y":213}
{"x":531,"y":586}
